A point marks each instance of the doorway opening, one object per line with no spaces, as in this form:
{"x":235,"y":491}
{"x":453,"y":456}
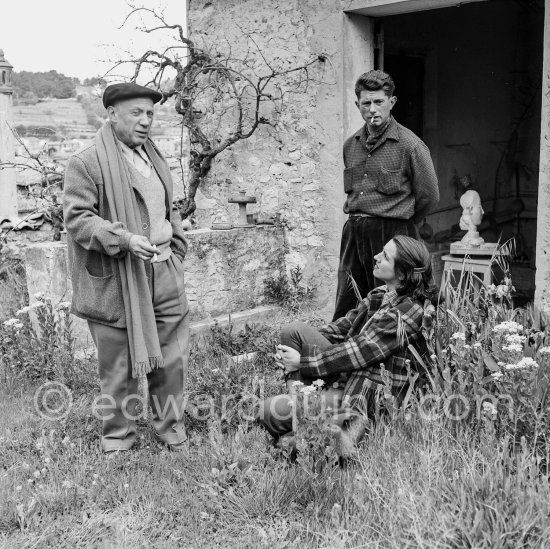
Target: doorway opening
{"x":468,"y":82}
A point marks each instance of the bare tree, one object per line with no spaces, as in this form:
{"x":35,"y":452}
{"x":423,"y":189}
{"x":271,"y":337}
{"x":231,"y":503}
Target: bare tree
{"x":221,"y":98}
{"x":45,"y":187}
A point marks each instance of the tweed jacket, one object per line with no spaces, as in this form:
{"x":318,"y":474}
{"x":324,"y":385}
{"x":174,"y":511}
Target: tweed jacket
{"x":376,"y":333}
{"x":395,"y":179}
{"x":95,"y":243}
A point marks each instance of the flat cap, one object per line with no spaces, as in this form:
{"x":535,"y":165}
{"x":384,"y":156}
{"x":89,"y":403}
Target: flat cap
{"x":119,"y":92}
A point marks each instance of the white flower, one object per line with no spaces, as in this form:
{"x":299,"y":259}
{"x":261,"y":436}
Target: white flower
{"x":64,"y":306}
{"x":477,"y":345}
{"x":490,"y":409}
{"x":515,"y":338}
{"x":508,"y":326}
{"x":467,"y":347}
{"x":39,"y":295}
{"x":37,"y":305}
{"x":23,"y":311}
{"x":527,"y":362}
{"x":458,"y":335}
{"x":318,"y":382}
{"x":18,"y":325}
{"x":308,"y":389}
{"x":545,"y":351}
{"x":297,"y":384}
{"x":47,"y":460}
{"x":434,"y":357}
{"x":497,"y":376}
{"x":66,"y":484}
{"x":36,"y":474}
{"x":514,"y":348}
{"x":126,"y":486}
{"x":11,"y":322}
{"x":502,"y":290}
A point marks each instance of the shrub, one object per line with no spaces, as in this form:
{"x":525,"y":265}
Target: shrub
{"x":290,"y":292}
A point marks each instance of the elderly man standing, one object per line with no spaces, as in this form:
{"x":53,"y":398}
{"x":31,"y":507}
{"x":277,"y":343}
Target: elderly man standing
{"x":390,"y":183}
{"x":126,"y":248}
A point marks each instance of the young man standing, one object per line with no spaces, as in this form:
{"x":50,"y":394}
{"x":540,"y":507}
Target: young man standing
{"x":390,"y":182}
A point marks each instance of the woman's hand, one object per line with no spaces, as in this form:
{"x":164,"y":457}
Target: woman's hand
{"x":287,"y":358}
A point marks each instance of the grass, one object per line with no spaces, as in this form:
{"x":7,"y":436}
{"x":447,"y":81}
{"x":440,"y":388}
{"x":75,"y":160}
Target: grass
{"x":415,"y":482}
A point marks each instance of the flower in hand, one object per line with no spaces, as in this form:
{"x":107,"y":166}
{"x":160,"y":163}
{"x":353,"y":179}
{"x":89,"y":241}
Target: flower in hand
{"x":287,"y":358}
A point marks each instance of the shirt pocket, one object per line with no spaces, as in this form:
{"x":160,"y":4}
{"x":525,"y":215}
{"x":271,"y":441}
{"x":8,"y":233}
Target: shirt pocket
{"x":353,"y":177}
{"x":388,"y":181}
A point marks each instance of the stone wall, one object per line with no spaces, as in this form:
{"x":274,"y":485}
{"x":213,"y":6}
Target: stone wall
{"x":542,"y":281}
{"x":294,"y":169}
{"x":224,"y":271}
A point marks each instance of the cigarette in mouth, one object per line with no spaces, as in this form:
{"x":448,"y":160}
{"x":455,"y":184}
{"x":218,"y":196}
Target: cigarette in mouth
{"x":372,"y":119}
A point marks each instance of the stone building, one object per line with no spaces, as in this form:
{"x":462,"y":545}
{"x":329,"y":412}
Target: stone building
{"x":472,"y":80}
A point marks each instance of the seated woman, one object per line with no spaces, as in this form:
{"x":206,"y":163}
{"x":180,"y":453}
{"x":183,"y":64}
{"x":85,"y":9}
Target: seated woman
{"x":347,"y":354}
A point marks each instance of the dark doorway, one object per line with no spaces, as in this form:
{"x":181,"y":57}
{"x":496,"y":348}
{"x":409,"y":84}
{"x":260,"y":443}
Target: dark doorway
{"x":408,"y":74}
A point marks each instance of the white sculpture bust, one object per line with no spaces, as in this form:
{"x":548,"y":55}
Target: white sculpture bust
{"x":472,"y":214}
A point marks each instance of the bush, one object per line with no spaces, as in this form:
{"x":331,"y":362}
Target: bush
{"x":291,"y":292}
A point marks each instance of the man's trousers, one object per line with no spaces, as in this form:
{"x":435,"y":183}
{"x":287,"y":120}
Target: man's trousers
{"x":362,"y":239}
{"x":119,"y":391}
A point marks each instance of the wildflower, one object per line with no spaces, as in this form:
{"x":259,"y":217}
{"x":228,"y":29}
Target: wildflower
{"x":508,"y":326}
{"x":434,"y":357}
{"x":513,"y":348}
{"x":215,"y":370}
{"x":308,"y":389}
{"x":64,"y":306}
{"x":527,"y":362}
{"x":497,"y":376}
{"x":515,"y":338}
{"x":126,"y":486}
{"x":458,"y":335}
{"x":10,"y":322}
{"x":47,"y":461}
{"x":490,"y":409}
{"x":491,"y":289}
{"x":65,"y":440}
{"x":500,"y":364}
{"x":18,"y":488}
{"x":18,"y":325}
{"x":467,"y":347}
{"x":43,"y":470}
{"x":297,"y":384}
{"x":37,"y":305}
{"x":23,"y":311}
{"x":66,"y":484}
{"x":545,"y":351}
{"x":39,"y":295}
{"x":502,"y":291}
{"x":477,"y":345}
{"x":318,"y":382}
{"x":36,"y":474}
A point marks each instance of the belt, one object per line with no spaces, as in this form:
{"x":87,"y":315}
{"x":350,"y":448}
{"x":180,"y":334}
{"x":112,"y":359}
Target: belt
{"x":361,"y":215}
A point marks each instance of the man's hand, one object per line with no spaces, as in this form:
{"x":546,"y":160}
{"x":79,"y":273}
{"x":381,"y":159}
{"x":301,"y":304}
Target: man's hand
{"x":288,"y":358}
{"x":142,"y":248}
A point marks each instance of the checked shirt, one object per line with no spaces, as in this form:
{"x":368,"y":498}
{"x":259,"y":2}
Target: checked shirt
{"x":366,"y":338}
{"x":394,"y":178}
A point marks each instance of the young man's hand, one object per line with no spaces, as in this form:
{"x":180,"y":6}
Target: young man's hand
{"x":142,"y":248}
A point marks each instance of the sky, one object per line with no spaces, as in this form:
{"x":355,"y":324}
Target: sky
{"x":73,"y":37}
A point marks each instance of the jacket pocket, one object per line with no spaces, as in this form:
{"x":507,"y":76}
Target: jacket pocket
{"x":388,"y":181}
{"x":99,"y":297}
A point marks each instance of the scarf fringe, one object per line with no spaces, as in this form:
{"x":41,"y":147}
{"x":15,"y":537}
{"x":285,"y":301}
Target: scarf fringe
{"x":143,"y":368}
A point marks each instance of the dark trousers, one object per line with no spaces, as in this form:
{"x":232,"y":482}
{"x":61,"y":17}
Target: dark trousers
{"x":362,"y":239}
{"x":119,"y":390}
{"x":275,"y":413}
